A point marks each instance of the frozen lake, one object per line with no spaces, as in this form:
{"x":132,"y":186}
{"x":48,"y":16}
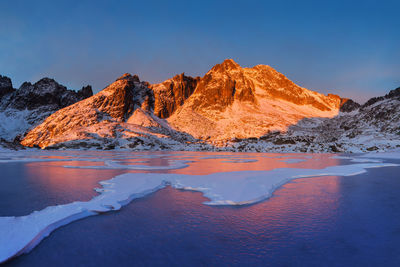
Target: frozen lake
{"x":199,"y":208}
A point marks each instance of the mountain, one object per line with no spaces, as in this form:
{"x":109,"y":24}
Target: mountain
{"x":235,"y":102}
{"x":373,"y":126}
{"x":121,"y":115}
{"x":229,"y":109}
{"x":28,"y":106}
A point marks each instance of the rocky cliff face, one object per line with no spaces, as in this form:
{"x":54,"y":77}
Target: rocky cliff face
{"x":32,"y":103}
{"x":172,"y":93}
{"x":5,"y":86}
{"x":231,"y":101}
{"x":221,"y":86}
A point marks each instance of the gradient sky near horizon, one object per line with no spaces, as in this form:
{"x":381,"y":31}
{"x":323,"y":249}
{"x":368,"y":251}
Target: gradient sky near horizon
{"x":350,"y":48}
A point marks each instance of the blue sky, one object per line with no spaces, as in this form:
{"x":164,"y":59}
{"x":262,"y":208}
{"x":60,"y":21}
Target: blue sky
{"x":350,"y":48}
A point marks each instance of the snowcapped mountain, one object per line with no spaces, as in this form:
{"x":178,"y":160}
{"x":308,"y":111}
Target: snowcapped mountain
{"x":230,"y":108}
{"x":373,"y":126}
{"x":28,"y":106}
{"x":235,"y":102}
{"x":121,"y":115}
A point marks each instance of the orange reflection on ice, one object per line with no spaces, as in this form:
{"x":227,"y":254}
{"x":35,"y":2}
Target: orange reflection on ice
{"x":72,"y":183}
{"x":263,"y":162}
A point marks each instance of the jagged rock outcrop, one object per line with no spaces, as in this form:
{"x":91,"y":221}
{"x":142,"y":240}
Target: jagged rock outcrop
{"x":29,"y":105}
{"x":231,"y":101}
{"x":5,"y":86}
{"x":394,"y":94}
{"x":172,"y":93}
{"x":121,"y":112}
{"x":46,"y":92}
{"x":348,"y":105}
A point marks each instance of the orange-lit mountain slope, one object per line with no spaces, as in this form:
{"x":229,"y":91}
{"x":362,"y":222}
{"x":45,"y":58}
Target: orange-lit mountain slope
{"x":122,"y":111}
{"x":231,"y":101}
{"x":228,"y":102}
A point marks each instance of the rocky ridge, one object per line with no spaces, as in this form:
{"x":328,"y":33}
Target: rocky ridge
{"x":23,"y":108}
{"x":121,"y":115}
{"x":230,"y":109}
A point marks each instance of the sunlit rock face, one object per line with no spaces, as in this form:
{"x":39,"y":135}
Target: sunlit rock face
{"x":120,"y":112}
{"x":235,"y":102}
{"x":28,"y":106}
{"x":172,"y":93}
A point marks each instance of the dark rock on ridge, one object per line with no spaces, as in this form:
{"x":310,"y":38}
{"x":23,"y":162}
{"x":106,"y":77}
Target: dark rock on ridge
{"x":394,"y":93}
{"x":46,"y":92}
{"x":5,"y":86}
{"x":349,"y":105}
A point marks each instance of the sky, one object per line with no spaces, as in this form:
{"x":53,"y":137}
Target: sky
{"x":349,"y":48}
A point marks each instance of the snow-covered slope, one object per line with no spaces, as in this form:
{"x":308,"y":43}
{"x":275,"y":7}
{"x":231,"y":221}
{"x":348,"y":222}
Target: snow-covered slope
{"x":235,"y":102}
{"x":374,"y":126}
{"x":28,"y":106}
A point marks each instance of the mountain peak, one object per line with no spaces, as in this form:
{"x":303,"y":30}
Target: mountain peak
{"x":47,"y":85}
{"x":226,"y":65}
{"x":5,"y":85}
{"x":129,"y":77}
{"x":230,"y":62}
